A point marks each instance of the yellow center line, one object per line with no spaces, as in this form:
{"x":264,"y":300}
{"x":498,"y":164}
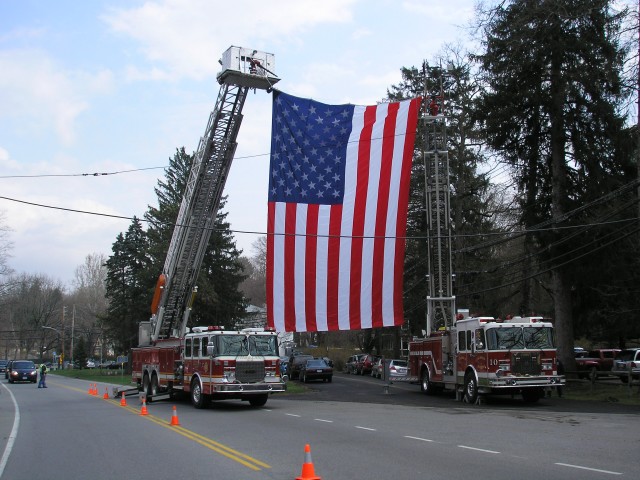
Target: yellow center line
{"x":235,"y":455}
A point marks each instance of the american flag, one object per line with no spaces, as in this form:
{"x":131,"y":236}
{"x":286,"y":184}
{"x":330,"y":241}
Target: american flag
{"x":338,"y":194}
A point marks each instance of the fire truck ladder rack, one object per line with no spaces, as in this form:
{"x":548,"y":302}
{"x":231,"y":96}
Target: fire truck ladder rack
{"x":242,"y":69}
{"x":440,"y":299}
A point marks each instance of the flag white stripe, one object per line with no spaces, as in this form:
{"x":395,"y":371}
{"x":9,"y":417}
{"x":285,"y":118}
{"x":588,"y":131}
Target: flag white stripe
{"x":300,"y":267}
{"x":278,"y":268}
{"x":322,"y":261}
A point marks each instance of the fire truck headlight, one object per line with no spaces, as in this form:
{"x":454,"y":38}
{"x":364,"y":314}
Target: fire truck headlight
{"x":499,"y":373}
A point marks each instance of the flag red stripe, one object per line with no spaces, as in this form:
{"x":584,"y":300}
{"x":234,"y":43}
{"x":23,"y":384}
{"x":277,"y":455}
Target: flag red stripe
{"x":333,"y":266}
{"x":310,"y":267}
{"x":289,"y":267}
{"x":269,"y":284}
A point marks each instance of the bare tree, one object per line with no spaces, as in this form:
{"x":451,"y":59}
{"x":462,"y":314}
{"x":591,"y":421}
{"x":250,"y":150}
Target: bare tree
{"x":89,"y":301}
{"x":32,"y":302}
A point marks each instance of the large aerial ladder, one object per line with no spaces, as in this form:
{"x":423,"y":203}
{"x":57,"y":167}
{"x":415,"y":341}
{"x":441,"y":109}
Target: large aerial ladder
{"x":242,"y":69}
{"x":440,"y":299}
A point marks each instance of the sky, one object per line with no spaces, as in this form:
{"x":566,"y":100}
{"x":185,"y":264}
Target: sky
{"x":115,"y":87}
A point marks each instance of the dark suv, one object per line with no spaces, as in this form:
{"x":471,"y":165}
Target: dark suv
{"x":295,"y":365}
{"x":23,"y":371}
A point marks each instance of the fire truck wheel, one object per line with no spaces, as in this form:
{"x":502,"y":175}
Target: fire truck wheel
{"x":153,"y":389}
{"x":470,"y":388}
{"x":425,"y":385}
{"x":198,"y":399}
{"x":258,"y":400}
{"x":145,"y":384}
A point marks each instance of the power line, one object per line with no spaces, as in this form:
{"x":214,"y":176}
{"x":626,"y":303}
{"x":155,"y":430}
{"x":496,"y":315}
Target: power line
{"x":256,"y":232}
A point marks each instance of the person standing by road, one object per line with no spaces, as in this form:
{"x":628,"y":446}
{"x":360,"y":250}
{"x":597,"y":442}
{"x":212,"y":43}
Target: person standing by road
{"x":43,"y":376}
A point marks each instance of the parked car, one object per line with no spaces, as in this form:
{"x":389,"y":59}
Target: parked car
{"x":3,"y":365}
{"x":378,"y":368}
{"x":23,"y":371}
{"x":368,"y":361}
{"x":397,"y":368}
{"x":351,"y":366}
{"x":593,"y":361}
{"x":6,"y":372}
{"x":316,"y":369}
{"x":625,"y":359}
{"x":295,"y":365}
{"x":284,"y":363}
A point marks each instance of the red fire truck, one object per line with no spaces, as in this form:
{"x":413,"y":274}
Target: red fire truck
{"x":208,"y":363}
{"x":211,"y":363}
{"x":484,"y":355}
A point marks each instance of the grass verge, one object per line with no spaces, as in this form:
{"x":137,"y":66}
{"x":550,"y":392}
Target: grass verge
{"x":116,"y":377}
{"x":602,"y":392}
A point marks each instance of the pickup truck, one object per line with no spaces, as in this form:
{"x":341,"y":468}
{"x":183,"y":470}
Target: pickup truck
{"x":593,"y":361}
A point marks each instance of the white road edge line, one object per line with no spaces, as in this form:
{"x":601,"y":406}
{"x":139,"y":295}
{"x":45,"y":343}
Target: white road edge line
{"x":366,"y":428}
{"x":590,"y":469}
{"x":477,"y":449}
{"x":418,"y":438}
{"x":322,"y":420}
{"x":13,"y":434}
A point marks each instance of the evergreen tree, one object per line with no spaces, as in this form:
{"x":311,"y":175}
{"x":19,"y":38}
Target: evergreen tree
{"x":552,"y":109}
{"x":128,"y":294}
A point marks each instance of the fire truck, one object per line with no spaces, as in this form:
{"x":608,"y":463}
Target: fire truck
{"x":207,"y":363}
{"x":483,"y":355}
{"x":479,"y":355}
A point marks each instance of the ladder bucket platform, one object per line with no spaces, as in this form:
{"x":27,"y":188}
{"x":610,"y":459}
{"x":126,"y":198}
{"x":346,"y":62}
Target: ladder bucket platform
{"x":247,"y":67}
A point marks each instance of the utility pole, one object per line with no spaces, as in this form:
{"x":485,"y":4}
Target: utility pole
{"x":73,"y":324}
{"x":64,"y":311}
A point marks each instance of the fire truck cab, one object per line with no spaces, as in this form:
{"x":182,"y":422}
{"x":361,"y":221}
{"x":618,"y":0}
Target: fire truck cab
{"x":483,"y":355}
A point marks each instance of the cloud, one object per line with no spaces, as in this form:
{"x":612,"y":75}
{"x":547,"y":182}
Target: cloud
{"x":34,"y":88}
{"x":184,"y":38}
{"x":361,"y":33}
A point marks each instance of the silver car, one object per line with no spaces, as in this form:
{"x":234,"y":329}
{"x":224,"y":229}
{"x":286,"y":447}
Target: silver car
{"x":397,"y":369}
{"x":625,"y":360}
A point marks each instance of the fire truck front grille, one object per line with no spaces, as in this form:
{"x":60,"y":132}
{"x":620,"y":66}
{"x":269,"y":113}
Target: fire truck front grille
{"x":526,"y":363}
{"x":250,"y":372}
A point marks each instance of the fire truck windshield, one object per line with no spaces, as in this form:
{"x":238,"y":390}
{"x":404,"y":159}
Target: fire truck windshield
{"x":247,"y":344}
{"x":508,"y":338}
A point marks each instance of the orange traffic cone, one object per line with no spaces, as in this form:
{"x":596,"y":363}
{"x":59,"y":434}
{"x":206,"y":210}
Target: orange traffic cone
{"x":174,"y":417}
{"x":308,"y":472}
{"x":95,"y":389}
{"x":123,"y":401}
{"x":90,"y":391}
{"x":143,"y":410}
{"x":106,"y":394}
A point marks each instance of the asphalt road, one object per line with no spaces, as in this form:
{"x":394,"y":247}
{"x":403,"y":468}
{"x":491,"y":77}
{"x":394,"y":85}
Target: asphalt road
{"x":354,"y":428}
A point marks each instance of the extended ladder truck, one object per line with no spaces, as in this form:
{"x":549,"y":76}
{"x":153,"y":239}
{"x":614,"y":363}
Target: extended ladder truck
{"x":471,"y":356}
{"x":207,"y":363}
